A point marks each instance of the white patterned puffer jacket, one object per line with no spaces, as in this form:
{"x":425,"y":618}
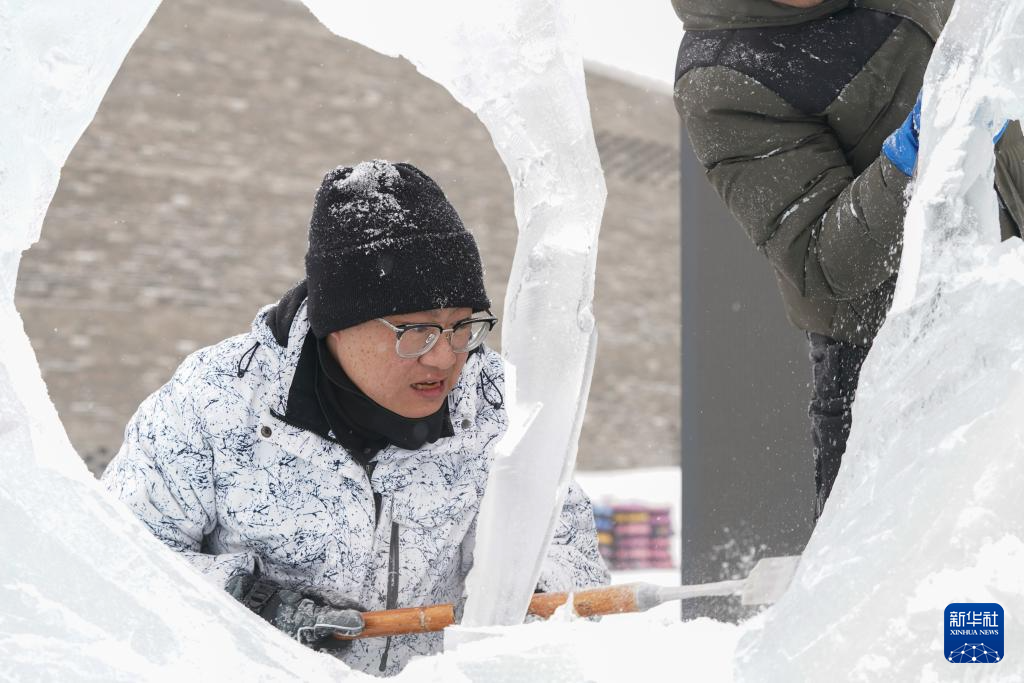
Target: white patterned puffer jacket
{"x":210,"y":468}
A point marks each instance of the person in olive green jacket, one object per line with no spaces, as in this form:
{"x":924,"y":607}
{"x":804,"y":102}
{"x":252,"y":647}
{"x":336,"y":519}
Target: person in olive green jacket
{"x":788,"y":104}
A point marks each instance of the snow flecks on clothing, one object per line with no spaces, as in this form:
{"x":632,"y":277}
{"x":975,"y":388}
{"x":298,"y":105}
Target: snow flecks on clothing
{"x":368,"y":177}
{"x":374,"y":183}
{"x":214,"y":473}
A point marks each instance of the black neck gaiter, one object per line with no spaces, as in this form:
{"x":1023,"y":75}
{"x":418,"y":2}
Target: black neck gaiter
{"x":362,"y":425}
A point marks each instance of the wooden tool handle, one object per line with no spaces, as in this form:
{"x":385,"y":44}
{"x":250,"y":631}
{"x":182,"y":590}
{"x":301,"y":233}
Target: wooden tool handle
{"x":588,"y":603}
{"x":396,"y":622}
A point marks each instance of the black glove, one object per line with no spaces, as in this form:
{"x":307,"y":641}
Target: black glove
{"x":308,"y":617}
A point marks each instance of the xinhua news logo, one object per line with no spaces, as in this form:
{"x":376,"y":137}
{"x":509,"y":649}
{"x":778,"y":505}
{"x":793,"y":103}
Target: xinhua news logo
{"x":974,"y":633}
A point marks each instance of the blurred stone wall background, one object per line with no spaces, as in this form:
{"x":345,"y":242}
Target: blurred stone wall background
{"x":184,"y":207}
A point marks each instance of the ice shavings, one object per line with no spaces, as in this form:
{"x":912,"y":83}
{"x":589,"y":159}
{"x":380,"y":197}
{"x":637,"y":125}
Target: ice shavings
{"x":926,"y":510}
{"x":629,"y":647}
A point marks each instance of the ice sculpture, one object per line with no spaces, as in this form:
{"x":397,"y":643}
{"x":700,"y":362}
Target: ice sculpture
{"x":55,"y":66}
{"x":92,"y":594}
{"x":86,"y":593}
{"x":518,"y":67}
{"x":926,"y":509}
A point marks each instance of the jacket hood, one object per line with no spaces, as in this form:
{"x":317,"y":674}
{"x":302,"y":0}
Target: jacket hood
{"x":280,"y":329}
{"x":702,"y":15}
{"x":279,"y":317}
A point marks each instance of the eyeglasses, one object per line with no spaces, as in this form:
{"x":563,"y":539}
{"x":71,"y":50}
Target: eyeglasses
{"x":412,"y":340}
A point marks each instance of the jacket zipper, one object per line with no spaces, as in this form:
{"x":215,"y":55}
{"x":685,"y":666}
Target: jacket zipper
{"x":392,"y":598}
{"x":391,"y":601}
{"x":367,"y":465}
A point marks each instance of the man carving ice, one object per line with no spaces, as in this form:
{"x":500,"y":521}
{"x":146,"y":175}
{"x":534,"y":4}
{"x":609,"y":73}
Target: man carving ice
{"x":333,"y":459}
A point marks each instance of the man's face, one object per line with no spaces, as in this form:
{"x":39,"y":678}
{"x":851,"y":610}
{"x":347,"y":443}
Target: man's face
{"x":411,"y":387}
{"x":799,"y":3}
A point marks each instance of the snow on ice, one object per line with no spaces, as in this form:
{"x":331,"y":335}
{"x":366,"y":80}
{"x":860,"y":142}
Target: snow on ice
{"x":924,"y":513}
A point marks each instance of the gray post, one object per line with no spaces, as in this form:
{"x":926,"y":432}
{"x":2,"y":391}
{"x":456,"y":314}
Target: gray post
{"x":747,"y":470}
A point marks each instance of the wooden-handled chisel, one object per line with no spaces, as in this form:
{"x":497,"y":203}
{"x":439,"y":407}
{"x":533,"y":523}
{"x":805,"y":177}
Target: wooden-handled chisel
{"x":764,"y":585}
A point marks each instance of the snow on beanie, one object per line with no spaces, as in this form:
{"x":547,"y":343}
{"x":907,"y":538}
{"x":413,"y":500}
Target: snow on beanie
{"x":384,"y":240}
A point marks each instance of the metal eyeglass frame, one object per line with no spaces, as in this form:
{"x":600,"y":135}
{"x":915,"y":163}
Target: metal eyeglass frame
{"x":399,"y":330}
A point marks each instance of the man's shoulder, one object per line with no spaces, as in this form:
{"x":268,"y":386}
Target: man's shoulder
{"x":217,"y":363}
{"x":807,"y":65}
{"x":271,"y":344}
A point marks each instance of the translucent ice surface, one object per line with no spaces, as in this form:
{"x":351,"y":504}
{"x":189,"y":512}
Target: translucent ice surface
{"x":926,"y":510}
{"x":86,"y":593}
{"x":55,"y":66}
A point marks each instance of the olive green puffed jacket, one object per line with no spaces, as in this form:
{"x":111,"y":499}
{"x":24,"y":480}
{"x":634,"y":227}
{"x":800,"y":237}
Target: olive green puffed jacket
{"x":788,"y":122}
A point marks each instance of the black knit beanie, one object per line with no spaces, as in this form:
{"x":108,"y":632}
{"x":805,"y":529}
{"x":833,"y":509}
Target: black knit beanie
{"x":384,"y":240}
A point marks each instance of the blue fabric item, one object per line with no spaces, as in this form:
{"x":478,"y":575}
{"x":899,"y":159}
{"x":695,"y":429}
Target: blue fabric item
{"x":902,"y":145}
{"x":1002,"y":130}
